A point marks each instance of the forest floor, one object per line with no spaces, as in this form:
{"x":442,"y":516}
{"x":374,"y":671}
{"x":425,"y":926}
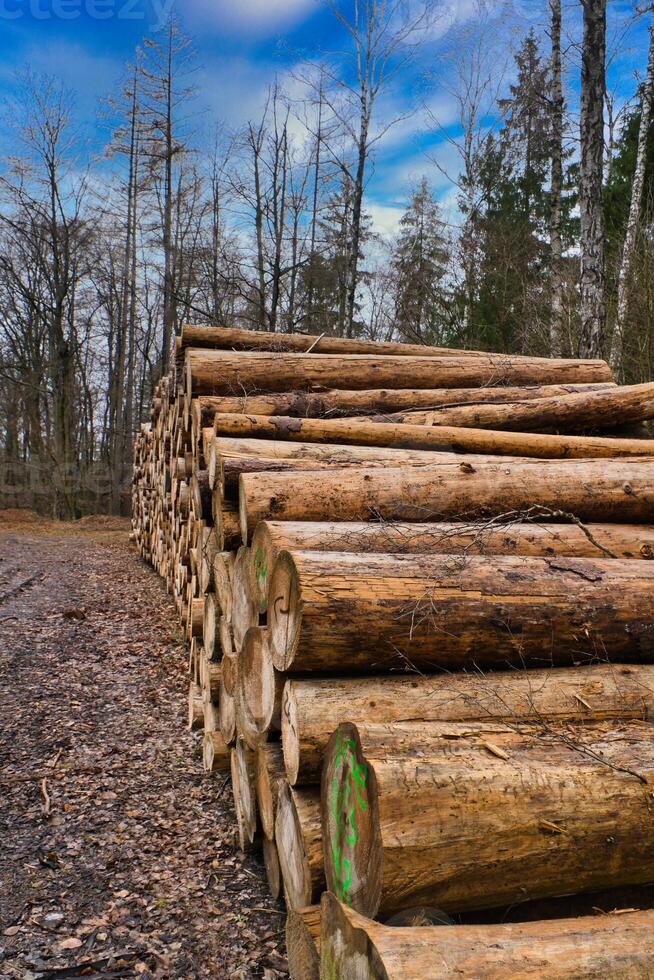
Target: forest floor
{"x":118,"y":855}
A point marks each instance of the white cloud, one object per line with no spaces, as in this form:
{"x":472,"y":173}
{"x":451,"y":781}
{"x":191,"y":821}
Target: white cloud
{"x":251,"y":17}
{"x":385,"y":218}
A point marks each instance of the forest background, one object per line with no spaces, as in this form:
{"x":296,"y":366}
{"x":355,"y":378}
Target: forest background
{"x":474,"y":175}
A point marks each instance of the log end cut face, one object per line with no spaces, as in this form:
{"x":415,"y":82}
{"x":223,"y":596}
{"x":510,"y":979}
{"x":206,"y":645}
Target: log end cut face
{"x":350,"y":823}
{"x":256,"y":681}
{"x":293,"y":858}
{"x":290,"y":728}
{"x":346,"y":951}
{"x":284,"y":611}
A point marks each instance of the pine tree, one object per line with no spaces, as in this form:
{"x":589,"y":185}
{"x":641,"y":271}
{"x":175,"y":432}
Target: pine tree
{"x":420,"y":265}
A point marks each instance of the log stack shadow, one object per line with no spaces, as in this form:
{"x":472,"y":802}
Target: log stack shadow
{"x":418,"y":594}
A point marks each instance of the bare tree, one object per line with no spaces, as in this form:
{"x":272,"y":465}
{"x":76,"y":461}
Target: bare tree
{"x":556,"y":188}
{"x":593,"y":68}
{"x":629,"y":247}
{"x":383,"y":34}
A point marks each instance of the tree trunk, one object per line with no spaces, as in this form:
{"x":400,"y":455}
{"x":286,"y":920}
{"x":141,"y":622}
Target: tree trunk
{"x":485,"y":815}
{"x":299,"y":845}
{"x":215,"y":372}
{"x":313,"y":709}
{"x":591,"y":205}
{"x":635,"y":207}
{"x":556,"y":183}
{"x":564,"y":413}
{"x":337,"y":613}
{"x":591,"y":489}
{"x":303,"y":942}
{"x":308,"y":404}
{"x":475,"y":537}
{"x":619,"y":946}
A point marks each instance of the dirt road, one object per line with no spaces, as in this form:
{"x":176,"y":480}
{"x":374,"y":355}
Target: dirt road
{"x":118,"y":855}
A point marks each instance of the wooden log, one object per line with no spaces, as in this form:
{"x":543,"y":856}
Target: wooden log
{"x":196,"y":618}
{"x":227,"y":709}
{"x":270,"y":777}
{"x":334,"y":613}
{"x":195,"y":708}
{"x":313,"y":709}
{"x":236,"y":339}
{"x":225,"y":523}
{"x":213,"y":372}
{"x":211,"y":714}
{"x":299,"y":845}
{"x":243,"y":788}
{"x":211,"y":675}
{"x":223,"y":570}
{"x":215,"y":753}
{"x":619,"y":946}
{"x":485,"y":814}
{"x":335,"y":403}
{"x":210,"y":625}
{"x":615,"y":491}
{"x":303,"y":942}
{"x":258,"y":702}
{"x":572,"y":412}
{"x":271,"y":864}
{"x":237,"y":456}
{"x":476,"y":537}
{"x":200,"y":494}
{"x":366,"y":432}
{"x":244,"y":611}
{"x":209,"y":550}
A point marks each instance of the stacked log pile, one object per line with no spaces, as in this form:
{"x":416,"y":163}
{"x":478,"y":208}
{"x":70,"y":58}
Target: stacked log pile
{"x":417,"y":591}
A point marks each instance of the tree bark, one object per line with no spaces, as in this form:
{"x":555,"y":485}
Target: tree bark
{"x":313,"y":709}
{"x":619,"y":946}
{"x":591,"y":489}
{"x":591,"y":205}
{"x":214,"y":372}
{"x":485,"y":815}
{"x":337,"y":613}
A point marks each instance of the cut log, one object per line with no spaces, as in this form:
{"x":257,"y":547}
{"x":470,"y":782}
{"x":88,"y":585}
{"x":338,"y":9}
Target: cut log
{"x":271,"y":864}
{"x":244,"y":610}
{"x":200,"y":494}
{"x":195,"y":708}
{"x":303,"y":942}
{"x":594,"y":947}
{"x":212,"y":372}
{"x":211,"y":715}
{"x":485,"y":815}
{"x":299,"y":845}
{"x":195,"y":618}
{"x":258,"y":702}
{"x":270,"y":777}
{"x":210,"y":623}
{"x":226,"y":525}
{"x":335,"y":403}
{"x":237,"y":456}
{"x":233,"y":338}
{"x":227,"y":710}
{"x":561,"y":413}
{"x":618,"y":491}
{"x":313,"y":709}
{"x":244,"y":790}
{"x":211,"y":675}
{"x":336,"y":613}
{"x":215,"y":753}
{"x":209,"y":549}
{"x":476,"y":537}
{"x":366,"y":432}
{"x":223,"y":570}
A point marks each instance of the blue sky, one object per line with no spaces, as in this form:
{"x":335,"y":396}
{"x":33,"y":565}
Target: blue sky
{"x":242,"y":45}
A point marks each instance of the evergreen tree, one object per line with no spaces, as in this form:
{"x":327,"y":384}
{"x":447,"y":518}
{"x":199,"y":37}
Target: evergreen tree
{"x":420,"y":265}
